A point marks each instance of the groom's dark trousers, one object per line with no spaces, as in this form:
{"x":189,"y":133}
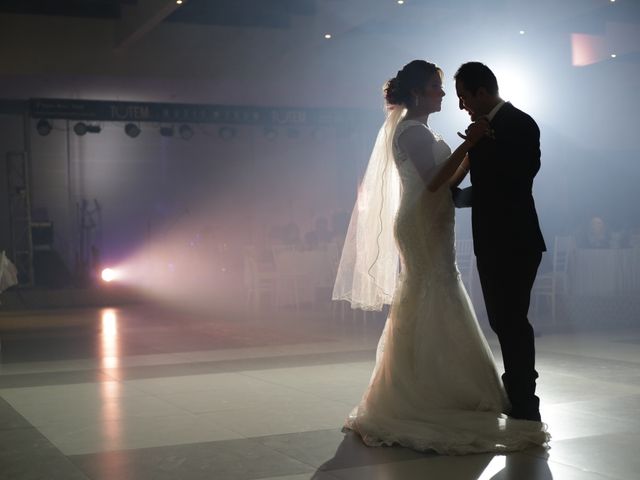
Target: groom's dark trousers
{"x":506,"y":285}
{"x":508,"y":244}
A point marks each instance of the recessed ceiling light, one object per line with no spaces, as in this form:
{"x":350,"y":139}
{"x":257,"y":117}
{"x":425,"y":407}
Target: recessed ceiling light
{"x":327,"y":36}
{"x":522,"y":32}
{"x":400,"y":2}
{"x":179,"y":2}
{"x":613,"y":55}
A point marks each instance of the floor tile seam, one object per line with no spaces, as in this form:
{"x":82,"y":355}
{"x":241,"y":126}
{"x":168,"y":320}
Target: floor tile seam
{"x":577,"y":356}
{"x":296,"y":389}
{"x":51,"y":445}
{"x":630,"y":423}
{"x":578,"y":403}
{"x":634,"y":389}
{"x":105,"y":422}
{"x":254,"y":439}
{"x":202,"y":352}
{"x":580,"y":377}
{"x":179,"y":356}
{"x":233,"y":366}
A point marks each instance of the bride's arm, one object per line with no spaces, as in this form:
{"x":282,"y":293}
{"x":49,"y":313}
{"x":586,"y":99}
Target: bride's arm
{"x":460,"y":173}
{"x":418,"y":144}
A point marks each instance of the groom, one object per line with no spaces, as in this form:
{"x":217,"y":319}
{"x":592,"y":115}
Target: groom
{"x":506,"y":235}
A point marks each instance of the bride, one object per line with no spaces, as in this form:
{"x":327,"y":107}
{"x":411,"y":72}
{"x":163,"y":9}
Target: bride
{"x":434,"y":385}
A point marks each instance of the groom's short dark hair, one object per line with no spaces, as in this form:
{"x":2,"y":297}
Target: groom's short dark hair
{"x":475,"y":75}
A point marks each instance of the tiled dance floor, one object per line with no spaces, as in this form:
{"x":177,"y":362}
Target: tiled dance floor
{"x":140,"y":393}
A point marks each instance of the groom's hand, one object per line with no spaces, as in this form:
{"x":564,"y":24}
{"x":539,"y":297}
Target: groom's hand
{"x":476,"y":131}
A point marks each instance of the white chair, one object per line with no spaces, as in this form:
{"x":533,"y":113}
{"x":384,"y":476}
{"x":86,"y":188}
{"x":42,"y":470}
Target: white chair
{"x":555,"y":283}
{"x":259,"y":279}
{"x":289,"y":277}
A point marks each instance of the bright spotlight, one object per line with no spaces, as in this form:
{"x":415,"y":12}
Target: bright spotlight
{"x":109,"y":275}
{"x":515,"y":86}
{"x":327,"y":36}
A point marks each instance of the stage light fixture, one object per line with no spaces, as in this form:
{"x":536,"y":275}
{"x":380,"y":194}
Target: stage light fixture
{"x":109,"y":275}
{"x":327,"y":36}
{"x":44,"y":127}
{"x":132,"y":130}
{"x":185,"y":131}
{"x":166,"y":131}
{"x":82,"y":128}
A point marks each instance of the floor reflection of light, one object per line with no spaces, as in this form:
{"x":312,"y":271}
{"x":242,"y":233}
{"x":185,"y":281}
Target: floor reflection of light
{"x":110,"y":348}
{"x":110,"y":390}
{"x":496,"y":465}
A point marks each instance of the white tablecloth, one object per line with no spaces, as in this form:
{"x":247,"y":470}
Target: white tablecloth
{"x":606,"y":272}
{"x":309,"y":270}
{"x":8,"y":273}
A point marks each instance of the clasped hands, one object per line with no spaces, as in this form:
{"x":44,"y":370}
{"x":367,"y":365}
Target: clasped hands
{"x":477,"y":130}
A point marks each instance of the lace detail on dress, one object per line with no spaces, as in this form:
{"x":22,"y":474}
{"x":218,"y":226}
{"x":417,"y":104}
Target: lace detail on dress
{"x":434,"y":385}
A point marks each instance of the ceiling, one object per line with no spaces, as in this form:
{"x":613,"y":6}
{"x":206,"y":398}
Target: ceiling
{"x":569,"y":15}
{"x":248,"y":13}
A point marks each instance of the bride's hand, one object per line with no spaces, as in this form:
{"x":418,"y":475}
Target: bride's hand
{"x":476,"y":131}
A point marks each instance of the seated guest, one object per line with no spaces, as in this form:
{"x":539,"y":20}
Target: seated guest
{"x":634,"y":237}
{"x":320,"y":235}
{"x":339,"y":226}
{"x":291,"y":235}
{"x":597,"y":235}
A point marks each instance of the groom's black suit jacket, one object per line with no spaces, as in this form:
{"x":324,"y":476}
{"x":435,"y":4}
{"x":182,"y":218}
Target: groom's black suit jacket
{"x":503,"y":166}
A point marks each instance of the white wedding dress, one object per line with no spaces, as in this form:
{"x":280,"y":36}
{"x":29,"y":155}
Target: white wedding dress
{"x":434,"y":385}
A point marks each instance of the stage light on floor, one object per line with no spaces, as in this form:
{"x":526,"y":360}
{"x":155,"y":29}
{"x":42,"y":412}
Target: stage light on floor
{"x":109,"y":275}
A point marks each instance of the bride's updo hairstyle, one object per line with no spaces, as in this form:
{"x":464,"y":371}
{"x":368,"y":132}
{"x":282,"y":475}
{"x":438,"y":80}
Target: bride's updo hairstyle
{"x":413,"y":76}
